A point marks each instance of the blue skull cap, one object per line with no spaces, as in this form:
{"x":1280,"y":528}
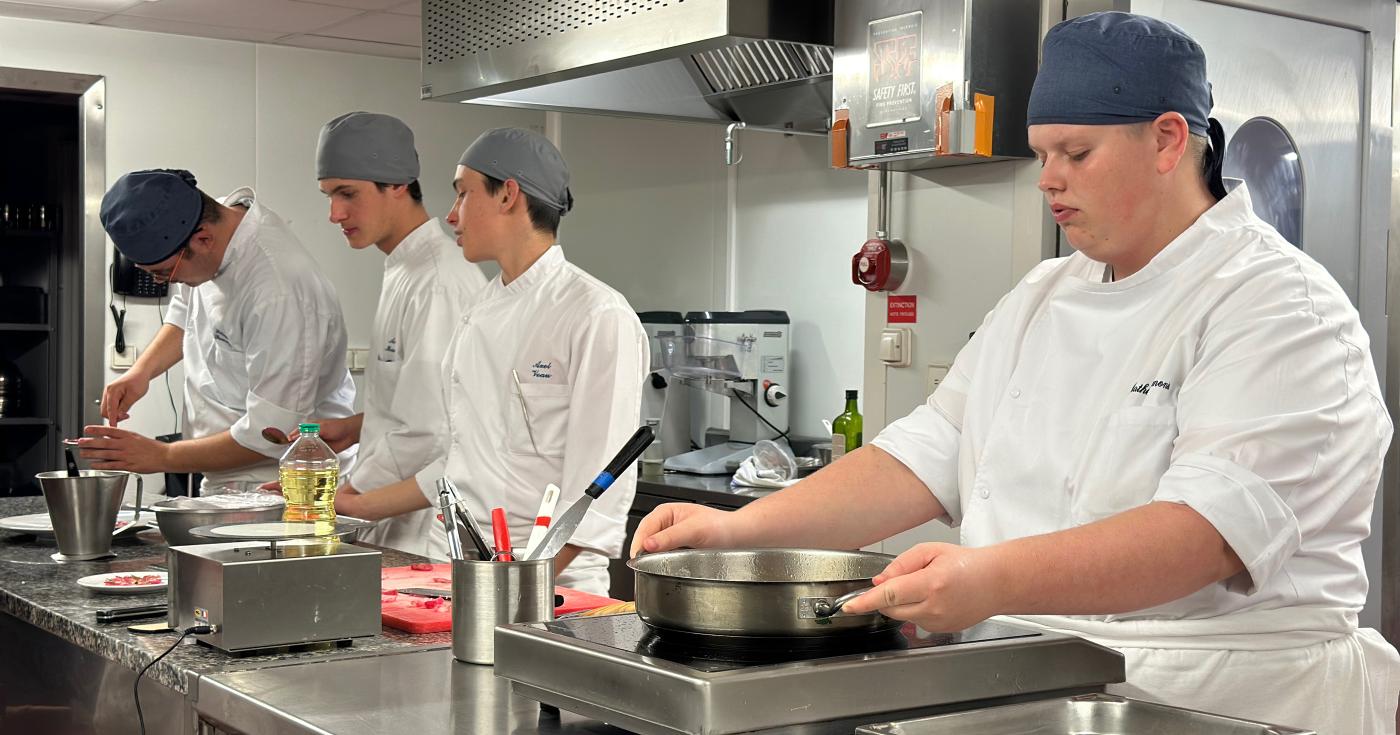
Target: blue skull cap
{"x":1116,"y":68}
{"x":151,"y":214}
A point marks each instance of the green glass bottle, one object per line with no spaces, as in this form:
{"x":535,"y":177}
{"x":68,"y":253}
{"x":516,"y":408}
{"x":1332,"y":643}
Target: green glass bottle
{"x":846,"y":429}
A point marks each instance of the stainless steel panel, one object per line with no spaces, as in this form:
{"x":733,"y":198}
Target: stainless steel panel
{"x":652,"y":695}
{"x":1092,"y":714}
{"x":754,"y":58}
{"x":423,"y":693}
{"x":258,"y":600}
{"x":49,"y":685}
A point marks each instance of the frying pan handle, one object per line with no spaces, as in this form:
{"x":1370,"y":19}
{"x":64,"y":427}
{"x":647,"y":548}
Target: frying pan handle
{"x":824,"y":609}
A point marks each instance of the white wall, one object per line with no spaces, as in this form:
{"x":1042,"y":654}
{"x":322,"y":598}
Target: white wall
{"x":656,"y":220}
{"x":797,"y":223}
{"x":240,"y":114}
{"x":649,"y":215}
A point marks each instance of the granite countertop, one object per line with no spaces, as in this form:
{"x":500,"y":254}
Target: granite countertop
{"x":43,"y":592}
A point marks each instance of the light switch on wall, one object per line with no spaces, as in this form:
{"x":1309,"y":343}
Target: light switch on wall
{"x":896,"y":346}
{"x":123,"y":360}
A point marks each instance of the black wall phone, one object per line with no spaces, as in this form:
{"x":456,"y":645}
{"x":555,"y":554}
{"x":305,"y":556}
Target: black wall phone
{"x":128,"y":280}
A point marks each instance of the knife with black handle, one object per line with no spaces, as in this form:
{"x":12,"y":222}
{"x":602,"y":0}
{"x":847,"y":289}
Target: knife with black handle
{"x":563,"y":528}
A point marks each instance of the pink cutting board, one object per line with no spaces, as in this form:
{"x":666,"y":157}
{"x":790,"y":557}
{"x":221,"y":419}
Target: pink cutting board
{"x":422,"y":615}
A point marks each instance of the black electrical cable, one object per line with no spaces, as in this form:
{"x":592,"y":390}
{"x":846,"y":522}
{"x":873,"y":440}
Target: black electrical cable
{"x":136,"y":687}
{"x":174,"y":414}
{"x":781,"y":433}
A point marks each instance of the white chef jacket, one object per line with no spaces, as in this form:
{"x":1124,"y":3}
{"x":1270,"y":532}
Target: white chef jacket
{"x":581,"y":356}
{"x":1230,"y":374}
{"x":264,"y":344}
{"x":428,"y":286}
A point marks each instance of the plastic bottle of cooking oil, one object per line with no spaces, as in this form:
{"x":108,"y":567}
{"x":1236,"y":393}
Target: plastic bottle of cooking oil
{"x":308,"y":473}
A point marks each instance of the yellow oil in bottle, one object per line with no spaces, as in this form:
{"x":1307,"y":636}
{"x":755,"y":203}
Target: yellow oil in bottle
{"x":310,"y":497}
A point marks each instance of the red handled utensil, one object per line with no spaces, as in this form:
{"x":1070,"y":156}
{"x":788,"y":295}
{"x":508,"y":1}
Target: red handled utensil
{"x":501,"y":530}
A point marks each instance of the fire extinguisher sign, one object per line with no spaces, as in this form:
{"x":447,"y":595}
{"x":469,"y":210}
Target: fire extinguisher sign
{"x":902,"y":309}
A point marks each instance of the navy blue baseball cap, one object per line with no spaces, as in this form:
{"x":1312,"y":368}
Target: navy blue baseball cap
{"x":151,"y":214}
{"x":1115,"y":68}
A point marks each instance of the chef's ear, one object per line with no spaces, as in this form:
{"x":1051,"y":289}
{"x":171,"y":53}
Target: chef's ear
{"x":202,"y":239}
{"x":510,"y":194}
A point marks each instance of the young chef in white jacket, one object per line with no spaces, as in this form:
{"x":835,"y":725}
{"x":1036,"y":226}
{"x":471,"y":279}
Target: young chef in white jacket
{"x":258,"y":328}
{"x":544,"y":372}
{"x":1168,"y":442}
{"x":368,"y":169}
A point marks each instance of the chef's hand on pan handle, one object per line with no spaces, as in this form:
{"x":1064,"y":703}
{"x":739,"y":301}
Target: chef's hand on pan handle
{"x":939,"y":587}
{"x":676,"y":525}
{"x":121,"y":394}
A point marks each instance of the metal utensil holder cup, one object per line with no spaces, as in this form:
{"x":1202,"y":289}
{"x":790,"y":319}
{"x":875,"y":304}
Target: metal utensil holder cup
{"x":490,"y":593}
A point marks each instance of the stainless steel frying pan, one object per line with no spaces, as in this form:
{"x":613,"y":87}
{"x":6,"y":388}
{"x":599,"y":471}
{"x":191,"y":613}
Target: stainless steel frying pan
{"x":756,"y":592}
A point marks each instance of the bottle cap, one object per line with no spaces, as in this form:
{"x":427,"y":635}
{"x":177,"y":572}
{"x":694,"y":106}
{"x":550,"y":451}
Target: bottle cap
{"x":309,"y":428}
{"x":850,"y":394}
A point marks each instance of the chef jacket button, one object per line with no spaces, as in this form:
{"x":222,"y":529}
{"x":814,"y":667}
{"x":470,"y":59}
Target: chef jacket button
{"x":1015,"y":392}
{"x":984,"y":492}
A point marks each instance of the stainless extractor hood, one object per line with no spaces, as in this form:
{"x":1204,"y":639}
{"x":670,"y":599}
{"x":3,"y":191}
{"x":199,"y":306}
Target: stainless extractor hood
{"x":761,"y":62}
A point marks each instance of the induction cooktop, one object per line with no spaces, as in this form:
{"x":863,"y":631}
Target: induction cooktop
{"x":618,"y":669}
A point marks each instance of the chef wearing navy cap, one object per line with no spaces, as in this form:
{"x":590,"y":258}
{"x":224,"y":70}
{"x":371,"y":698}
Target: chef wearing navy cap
{"x":1168,"y":442}
{"x":257,"y":327}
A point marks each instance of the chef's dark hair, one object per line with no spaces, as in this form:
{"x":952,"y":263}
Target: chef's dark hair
{"x":415,"y":190}
{"x":543,"y":217}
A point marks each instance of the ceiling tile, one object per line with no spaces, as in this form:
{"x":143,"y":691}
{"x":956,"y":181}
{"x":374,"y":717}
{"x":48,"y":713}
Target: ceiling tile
{"x":160,"y":25}
{"x":371,"y":48}
{"x":414,"y":9}
{"x":358,"y":4}
{"x":43,"y":12}
{"x":381,"y":27}
{"x":282,"y":16}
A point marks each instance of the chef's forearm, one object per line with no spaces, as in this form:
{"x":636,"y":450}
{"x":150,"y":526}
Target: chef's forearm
{"x":1137,"y":559}
{"x":565,"y":557}
{"x":384,"y":502}
{"x":865,"y":497}
{"x":209,"y":454}
{"x":164,"y":351}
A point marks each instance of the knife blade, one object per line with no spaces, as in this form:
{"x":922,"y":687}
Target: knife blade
{"x":564,"y":527}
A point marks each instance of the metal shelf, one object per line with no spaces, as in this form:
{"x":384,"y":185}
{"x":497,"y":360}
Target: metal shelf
{"x":24,"y":421}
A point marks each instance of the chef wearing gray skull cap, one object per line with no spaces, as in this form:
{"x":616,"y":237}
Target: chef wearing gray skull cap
{"x":543,"y":376}
{"x":1168,"y":443}
{"x":257,"y":327}
{"x":368,"y":169}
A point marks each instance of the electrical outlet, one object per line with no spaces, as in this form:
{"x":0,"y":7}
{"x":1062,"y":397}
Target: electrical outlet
{"x":123,"y":360}
{"x":937,"y":371}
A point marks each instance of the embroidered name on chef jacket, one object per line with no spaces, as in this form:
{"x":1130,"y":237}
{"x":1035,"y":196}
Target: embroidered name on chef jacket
{"x":1143,"y":388}
{"x":542,"y":370}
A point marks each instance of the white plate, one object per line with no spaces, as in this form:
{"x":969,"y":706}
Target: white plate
{"x":98,"y":583}
{"x":39,"y":524}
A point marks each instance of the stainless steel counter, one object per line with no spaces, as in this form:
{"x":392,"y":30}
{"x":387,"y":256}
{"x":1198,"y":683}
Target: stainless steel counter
{"x":417,"y":693}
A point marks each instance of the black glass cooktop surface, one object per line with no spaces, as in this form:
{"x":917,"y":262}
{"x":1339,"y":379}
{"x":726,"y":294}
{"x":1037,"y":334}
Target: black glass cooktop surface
{"x":708,"y":653}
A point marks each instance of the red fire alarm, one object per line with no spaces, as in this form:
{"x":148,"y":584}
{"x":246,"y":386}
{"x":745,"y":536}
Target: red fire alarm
{"x":880,"y":265}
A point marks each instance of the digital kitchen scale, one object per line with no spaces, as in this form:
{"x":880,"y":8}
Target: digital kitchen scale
{"x":617,"y":669}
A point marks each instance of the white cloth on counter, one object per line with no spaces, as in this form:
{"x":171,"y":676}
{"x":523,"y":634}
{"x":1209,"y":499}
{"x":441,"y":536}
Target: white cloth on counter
{"x":1230,"y":374}
{"x":750,"y":474}
{"x":428,"y":286}
{"x":264,"y":344}
{"x":581,"y":355}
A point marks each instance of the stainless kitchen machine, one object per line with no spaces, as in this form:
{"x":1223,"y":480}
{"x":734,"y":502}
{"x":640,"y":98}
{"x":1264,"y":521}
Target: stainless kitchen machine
{"x":743,"y":356}
{"x":664,"y":397}
{"x":259,"y":594}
